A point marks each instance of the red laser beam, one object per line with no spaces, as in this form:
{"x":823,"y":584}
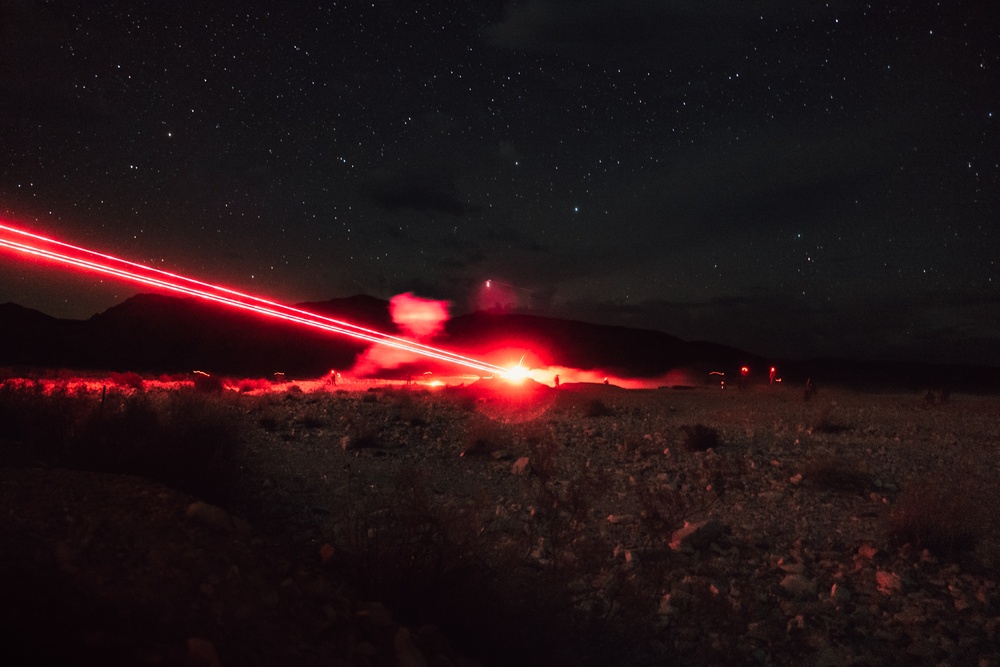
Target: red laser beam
{"x":18,"y":240}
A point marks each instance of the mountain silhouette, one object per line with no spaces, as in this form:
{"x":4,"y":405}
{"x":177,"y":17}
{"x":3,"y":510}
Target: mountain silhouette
{"x":160,"y":334}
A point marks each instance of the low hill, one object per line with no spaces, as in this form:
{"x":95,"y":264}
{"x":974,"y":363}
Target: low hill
{"x":151,"y":333}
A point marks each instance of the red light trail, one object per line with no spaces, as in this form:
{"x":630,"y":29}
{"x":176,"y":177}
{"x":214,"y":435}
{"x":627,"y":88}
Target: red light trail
{"x":83,"y":259}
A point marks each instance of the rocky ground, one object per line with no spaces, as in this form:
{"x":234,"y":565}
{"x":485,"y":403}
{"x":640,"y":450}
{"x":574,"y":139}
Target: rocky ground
{"x":584,"y":525}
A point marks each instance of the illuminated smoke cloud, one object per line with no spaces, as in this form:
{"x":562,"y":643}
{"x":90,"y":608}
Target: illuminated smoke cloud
{"x":418,"y":317}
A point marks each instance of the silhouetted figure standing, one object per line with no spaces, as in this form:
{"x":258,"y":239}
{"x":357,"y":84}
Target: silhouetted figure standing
{"x":810,"y":390}
{"x":557,"y":382}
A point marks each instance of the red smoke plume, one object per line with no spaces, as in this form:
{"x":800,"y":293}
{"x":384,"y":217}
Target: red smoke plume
{"x":418,"y":318}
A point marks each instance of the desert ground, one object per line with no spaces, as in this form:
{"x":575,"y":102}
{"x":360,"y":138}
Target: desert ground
{"x":151,"y":522}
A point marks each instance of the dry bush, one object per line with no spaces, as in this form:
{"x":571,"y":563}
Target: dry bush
{"x":363,"y":438}
{"x":948,"y":514}
{"x":484,"y":437}
{"x":128,"y":380}
{"x":209,"y":384}
{"x":313,"y":416}
{"x":836,"y":474}
{"x":410,"y":407}
{"x":663,"y":508}
{"x":700,"y":438}
{"x":41,"y":423}
{"x":825,"y":423}
{"x":247,"y":385}
{"x":396,"y":542}
{"x":544,"y":452}
{"x":269,"y":423}
{"x":182,"y":439}
{"x":597,"y":408}
{"x":584,"y":486}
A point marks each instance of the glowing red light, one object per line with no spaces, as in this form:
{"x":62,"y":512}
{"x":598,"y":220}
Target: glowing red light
{"x":28,"y":243}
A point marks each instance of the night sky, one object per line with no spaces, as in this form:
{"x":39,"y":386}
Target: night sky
{"x":798,"y":179}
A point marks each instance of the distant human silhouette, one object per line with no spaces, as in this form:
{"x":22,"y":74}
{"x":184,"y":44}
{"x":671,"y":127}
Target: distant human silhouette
{"x":810,"y":389}
{"x":557,"y":381}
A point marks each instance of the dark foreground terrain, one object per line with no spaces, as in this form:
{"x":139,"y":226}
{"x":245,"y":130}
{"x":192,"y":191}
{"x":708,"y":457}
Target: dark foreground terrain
{"x":589,"y":525}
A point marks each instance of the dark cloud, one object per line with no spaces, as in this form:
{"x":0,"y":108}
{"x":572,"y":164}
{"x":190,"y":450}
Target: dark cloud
{"x":652,"y":34}
{"x":794,"y":326}
{"x":37,"y":71}
{"x":415,"y":192}
{"x":574,"y":28}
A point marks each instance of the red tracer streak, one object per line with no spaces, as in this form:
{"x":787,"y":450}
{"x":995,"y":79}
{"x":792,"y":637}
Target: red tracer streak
{"x":29,"y":243}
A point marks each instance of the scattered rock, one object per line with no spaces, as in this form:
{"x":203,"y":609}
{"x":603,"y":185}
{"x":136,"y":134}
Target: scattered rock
{"x":377,"y":614}
{"x":888,"y":583}
{"x":839,"y":593}
{"x":828,"y":657}
{"x":799,"y":586}
{"x":216,"y":517}
{"x":407,"y":653}
{"x":201,"y":653}
{"x":697,"y":536}
{"x":521,"y":466}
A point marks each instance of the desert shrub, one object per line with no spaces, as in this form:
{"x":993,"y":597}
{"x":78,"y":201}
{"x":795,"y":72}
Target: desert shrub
{"x":825,"y":422}
{"x":183,"y":440}
{"x":634,"y":446}
{"x":461,"y":397}
{"x":836,"y":474}
{"x":314,"y":416}
{"x":583,"y":487}
{"x":363,"y":437}
{"x":41,"y":423}
{"x":128,"y":379}
{"x":663,"y":508}
{"x":483,"y":437}
{"x":699,"y":438}
{"x":411,"y":407}
{"x":269,"y":423}
{"x":544,"y":453}
{"x":116,"y":433}
{"x":947,"y":514}
{"x":597,"y":408}
{"x":209,"y":384}
{"x":395,"y":542}
{"x":198,"y":441}
{"x":247,"y":385}
{"x":363,"y":431}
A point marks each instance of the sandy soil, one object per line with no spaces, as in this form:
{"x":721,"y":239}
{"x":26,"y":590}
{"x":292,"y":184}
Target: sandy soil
{"x":554,"y":527}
